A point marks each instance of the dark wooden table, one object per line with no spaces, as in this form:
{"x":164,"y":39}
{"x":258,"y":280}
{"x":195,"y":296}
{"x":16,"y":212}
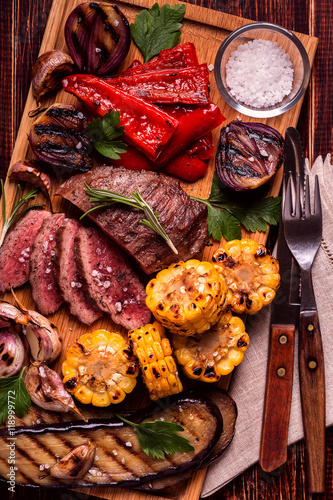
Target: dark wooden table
{"x":21,"y":32}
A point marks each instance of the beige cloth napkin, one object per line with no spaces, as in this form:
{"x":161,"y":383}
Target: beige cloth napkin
{"x":249,"y":378}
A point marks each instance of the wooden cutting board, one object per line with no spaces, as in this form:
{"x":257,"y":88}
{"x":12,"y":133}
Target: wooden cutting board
{"x":206,"y":29}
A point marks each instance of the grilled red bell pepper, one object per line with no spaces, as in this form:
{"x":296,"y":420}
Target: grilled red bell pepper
{"x":147,"y":127}
{"x":187,"y":85}
{"x":181,"y":56}
{"x":187,"y":168}
{"x":134,"y":159}
{"x":203,"y":148}
{"x":191,"y":127}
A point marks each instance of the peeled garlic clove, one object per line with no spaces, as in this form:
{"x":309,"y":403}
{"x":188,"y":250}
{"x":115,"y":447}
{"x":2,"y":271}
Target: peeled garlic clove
{"x":27,"y":170}
{"x":48,"y":72}
{"x":76,"y":463}
{"x":12,"y":353}
{"x":43,"y":338}
{"x":47,"y":390}
{"x":7,"y":311}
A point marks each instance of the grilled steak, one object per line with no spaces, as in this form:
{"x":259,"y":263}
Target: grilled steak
{"x":66,"y":274}
{"x":184,"y":219}
{"x":45,"y":290}
{"x":16,"y":249}
{"x":109,"y":280}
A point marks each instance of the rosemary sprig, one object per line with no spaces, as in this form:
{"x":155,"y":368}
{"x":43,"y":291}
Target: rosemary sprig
{"x":106,"y":198}
{"x":16,"y":213}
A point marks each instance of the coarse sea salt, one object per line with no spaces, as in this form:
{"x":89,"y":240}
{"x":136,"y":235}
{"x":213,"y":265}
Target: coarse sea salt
{"x":259,"y":73}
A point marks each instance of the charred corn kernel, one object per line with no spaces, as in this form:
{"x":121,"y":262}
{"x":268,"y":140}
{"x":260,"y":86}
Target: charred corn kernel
{"x":251,"y":274}
{"x":215,"y":353}
{"x":187,"y":297}
{"x":100,"y":368}
{"x":153,"y":350}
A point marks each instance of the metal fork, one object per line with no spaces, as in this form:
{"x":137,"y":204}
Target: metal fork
{"x":303,"y":231}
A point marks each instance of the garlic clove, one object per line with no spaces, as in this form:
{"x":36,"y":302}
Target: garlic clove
{"x":12,"y":313}
{"x":12,"y":353}
{"x":76,"y":463}
{"x":47,"y":390}
{"x":42,"y":335}
{"x":48,"y":71}
{"x":43,"y":338}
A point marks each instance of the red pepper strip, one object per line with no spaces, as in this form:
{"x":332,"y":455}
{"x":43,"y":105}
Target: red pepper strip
{"x":146,"y":126}
{"x":187,"y":168}
{"x":133,"y":159}
{"x":177,"y":109}
{"x":187,"y":85}
{"x":203,"y":148}
{"x":182,"y":56}
{"x":191,"y":127}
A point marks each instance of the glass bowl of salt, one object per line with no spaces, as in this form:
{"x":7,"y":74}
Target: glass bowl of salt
{"x":262,"y":70}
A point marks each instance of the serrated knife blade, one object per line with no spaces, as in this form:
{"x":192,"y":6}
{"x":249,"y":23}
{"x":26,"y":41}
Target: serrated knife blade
{"x":284,"y":317}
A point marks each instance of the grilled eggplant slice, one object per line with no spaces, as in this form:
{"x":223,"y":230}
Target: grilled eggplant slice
{"x":119,"y":459}
{"x":228,"y":409}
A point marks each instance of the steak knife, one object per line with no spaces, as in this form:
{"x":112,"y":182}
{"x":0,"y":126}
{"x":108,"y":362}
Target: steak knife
{"x":284,"y":317}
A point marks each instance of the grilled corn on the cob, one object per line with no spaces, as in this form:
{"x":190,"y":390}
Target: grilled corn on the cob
{"x":187,"y":297}
{"x":100,"y":368}
{"x":215,"y":353}
{"x":159,"y":370}
{"x":251,"y":274}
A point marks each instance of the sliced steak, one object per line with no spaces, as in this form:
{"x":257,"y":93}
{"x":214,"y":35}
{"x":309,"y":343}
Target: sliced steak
{"x":109,"y":280}
{"x":66,"y":274}
{"x":184,"y":219}
{"x":16,"y":249}
{"x":45,"y":290}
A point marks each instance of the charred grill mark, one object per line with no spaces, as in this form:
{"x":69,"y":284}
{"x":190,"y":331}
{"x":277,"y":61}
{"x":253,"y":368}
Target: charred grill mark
{"x":27,"y":479}
{"x":26,"y":455}
{"x":109,"y":28}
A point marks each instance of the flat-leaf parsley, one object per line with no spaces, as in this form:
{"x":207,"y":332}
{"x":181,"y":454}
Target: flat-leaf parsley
{"x":159,"y":437}
{"x":228,"y":210}
{"x":103,"y":133}
{"x":157,"y":29}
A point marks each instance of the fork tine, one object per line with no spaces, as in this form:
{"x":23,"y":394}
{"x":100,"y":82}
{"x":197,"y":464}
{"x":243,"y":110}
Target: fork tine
{"x":298,"y":199}
{"x":307,"y":197}
{"x":317,"y":210}
{"x":288,"y":204}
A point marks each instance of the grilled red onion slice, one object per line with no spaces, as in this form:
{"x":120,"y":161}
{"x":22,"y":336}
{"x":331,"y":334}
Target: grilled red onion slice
{"x":249,"y":154}
{"x":98,"y":37}
{"x":59,"y":140}
{"x":12,"y":353}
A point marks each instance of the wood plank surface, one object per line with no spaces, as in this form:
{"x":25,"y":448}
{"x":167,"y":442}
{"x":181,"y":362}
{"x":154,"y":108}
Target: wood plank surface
{"x":22,"y":26}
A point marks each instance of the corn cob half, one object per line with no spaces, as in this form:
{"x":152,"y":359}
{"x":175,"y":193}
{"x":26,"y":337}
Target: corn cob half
{"x":187,"y":297}
{"x":251,"y":274}
{"x":100,"y":368}
{"x":215,"y":353}
{"x":153,"y":350}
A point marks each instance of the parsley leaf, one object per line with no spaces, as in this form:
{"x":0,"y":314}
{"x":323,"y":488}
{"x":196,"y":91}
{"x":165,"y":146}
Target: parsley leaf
{"x":227,"y":210}
{"x":13,"y":396}
{"x":103,"y":133}
{"x":154,"y":30}
{"x":159,"y":437}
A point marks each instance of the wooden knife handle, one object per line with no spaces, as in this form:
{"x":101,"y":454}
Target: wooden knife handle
{"x":279,"y":381}
{"x":312,"y":385}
